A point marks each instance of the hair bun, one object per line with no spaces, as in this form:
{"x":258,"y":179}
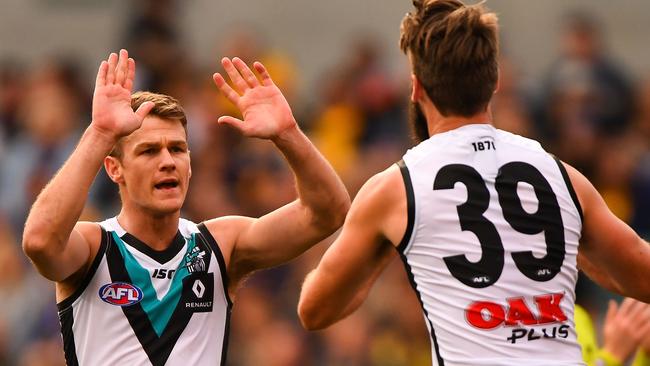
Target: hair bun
{"x":466,"y":16}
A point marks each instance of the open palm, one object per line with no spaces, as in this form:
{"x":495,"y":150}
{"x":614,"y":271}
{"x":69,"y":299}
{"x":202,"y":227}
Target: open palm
{"x":265,"y":110}
{"x":112,"y":113}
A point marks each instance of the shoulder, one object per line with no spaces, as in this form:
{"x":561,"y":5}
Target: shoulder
{"x":91,"y":233}
{"x":586,"y":193}
{"x":228,"y":225}
{"x":519,"y":141}
{"x":225,"y":231}
{"x":381,"y":204}
{"x":383,"y":188}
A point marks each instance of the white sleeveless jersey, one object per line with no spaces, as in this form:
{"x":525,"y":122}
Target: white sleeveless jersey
{"x":138,"y":306}
{"x":490,"y":248}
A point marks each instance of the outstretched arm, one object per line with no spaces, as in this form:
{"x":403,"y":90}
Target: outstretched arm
{"x":347,"y":271}
{"x":57,"y":245}
{"x":322,"y":199}
{"x":610,"y":246}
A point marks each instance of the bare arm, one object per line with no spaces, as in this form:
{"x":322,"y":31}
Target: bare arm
{"x":347,"y":271}
{"x":597,"y":274}
{"x":50,"y":238}
{"x":611,"y":245}
{"x":322,"y":199}
{"x":57,"y":245}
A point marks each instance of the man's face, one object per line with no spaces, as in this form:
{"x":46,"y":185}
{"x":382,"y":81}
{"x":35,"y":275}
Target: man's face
{"x":418,"y":122}
{"x":154,"y":170}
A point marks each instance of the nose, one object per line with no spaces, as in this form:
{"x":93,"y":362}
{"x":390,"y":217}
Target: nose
{"x":166,"y":160}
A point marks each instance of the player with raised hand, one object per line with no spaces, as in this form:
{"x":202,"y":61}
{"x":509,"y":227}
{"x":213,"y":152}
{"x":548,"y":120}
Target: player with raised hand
{"x":488,"y":224}
{"x":59,"y":246}
{"x":148,"y":287}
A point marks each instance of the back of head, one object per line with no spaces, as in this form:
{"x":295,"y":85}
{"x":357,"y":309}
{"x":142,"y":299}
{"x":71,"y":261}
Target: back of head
{"x":454,"y":54}
{"x":165,"y":107}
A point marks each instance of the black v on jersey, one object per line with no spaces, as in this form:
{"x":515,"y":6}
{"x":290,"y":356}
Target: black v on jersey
{"x":128,"y":311}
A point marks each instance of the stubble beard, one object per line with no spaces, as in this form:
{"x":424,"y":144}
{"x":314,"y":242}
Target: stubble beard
{"x":417,"y":123}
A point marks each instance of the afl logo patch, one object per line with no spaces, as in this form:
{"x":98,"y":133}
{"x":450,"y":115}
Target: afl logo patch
{"x":120,"y":294}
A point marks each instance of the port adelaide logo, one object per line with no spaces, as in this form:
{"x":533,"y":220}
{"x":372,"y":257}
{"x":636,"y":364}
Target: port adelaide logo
{"x":120,"y":294}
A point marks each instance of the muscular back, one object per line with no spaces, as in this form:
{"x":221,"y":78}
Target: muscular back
{"x":491,"y":245}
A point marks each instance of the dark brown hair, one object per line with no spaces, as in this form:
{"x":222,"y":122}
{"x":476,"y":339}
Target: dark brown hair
{"x":454,"y":50}
{"x":165,"y":107}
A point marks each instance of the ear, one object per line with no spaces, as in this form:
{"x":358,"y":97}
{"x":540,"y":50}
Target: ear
{"x":113,"y":168}
{"x":496,"y":88}
{"x":189,"y":154}
{"x":416,"y":89}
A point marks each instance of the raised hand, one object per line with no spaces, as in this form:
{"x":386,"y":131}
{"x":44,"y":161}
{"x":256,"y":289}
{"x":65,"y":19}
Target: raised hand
{"x":112,"y":112}
{"x":644,"y":330}
{"x":625,"y":327}
{"x":265,"y":110}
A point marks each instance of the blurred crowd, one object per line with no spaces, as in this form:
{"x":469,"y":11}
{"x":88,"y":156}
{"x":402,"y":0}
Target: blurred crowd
{"x":586,"y":110}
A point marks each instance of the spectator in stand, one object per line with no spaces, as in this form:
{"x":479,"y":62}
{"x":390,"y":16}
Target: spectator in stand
{"x":586,"y":97}
{"x":49,"y":117}
{"x":28,"y":312}
{"x":12,"y":85}
{"x":640,"y":186}
{"x":508,"y":105}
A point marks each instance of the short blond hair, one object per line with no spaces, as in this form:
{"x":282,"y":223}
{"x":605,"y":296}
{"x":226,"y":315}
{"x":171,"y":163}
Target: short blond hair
{"x":165,"y":107}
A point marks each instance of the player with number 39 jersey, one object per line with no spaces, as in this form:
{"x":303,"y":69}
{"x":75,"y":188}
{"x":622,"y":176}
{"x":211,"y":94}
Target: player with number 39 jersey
{"x":491,"y":245}
{"x":490,"y":227}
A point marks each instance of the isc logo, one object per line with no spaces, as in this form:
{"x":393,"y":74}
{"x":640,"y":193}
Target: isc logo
{"x":120,"y":294}
{"x":163,"y":273}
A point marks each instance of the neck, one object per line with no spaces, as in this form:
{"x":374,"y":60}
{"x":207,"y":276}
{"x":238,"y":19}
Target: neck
{"x":437,"y":123}
{"x":157,"y":231}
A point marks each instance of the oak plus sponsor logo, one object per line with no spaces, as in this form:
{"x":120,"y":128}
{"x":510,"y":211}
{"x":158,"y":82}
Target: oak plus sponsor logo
{"x":545,"y":319}
{"x":120,"y":294}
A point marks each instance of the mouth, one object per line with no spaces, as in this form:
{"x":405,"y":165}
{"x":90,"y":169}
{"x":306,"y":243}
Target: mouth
{"x":166,"y":184}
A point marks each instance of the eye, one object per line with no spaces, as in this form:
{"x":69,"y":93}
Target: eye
{"x":178,"y":149}
{"x":148,"y":151}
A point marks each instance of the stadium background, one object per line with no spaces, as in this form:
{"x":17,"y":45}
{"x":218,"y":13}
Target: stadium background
{"x":338,"y":63}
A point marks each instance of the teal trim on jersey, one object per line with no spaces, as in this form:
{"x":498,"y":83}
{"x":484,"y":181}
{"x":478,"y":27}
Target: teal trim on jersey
{"x":158,"y":311}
